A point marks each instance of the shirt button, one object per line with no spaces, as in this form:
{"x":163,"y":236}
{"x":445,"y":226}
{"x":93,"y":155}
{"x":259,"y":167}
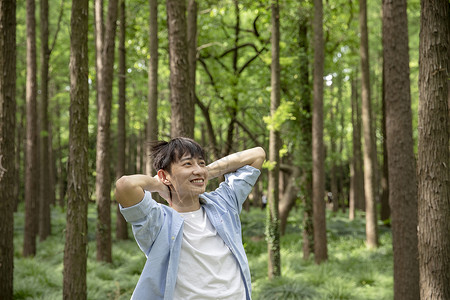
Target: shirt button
{"x":173,"y":238}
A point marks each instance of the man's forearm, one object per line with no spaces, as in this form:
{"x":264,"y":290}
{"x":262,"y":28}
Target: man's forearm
{"x":130,"y":189}
{"x":253,"y":157}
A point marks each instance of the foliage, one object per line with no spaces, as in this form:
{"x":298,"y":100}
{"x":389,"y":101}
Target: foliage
{"x":352,"y":272}
{"x":240,"y":91}
{"x":231,"y":91}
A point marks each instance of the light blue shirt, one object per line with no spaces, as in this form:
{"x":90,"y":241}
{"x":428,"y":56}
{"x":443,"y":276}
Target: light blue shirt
{"x":158,"y":230}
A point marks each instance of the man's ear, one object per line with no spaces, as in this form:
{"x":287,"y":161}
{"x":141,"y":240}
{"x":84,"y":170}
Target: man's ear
{"x":162,"y":174}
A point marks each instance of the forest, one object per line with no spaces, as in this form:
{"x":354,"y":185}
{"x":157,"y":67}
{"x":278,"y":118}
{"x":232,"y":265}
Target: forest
{"x":350,"y":100}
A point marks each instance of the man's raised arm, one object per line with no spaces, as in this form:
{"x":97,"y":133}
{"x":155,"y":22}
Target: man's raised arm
{"x":253,"y":157}
{"x":130,"y":189}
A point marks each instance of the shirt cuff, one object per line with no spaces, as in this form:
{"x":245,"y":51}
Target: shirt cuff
{"x":139,"y":210}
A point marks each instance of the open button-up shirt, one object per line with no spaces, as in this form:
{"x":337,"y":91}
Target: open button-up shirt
{"x":158,"y":230}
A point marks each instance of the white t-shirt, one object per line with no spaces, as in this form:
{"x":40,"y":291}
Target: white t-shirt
{"x":207,"y":268}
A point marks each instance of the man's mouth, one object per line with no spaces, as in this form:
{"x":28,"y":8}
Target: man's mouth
{"x":198,"y":181}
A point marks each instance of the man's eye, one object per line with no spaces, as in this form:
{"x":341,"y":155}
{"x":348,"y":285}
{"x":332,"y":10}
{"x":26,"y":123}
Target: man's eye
{"x":202,"y":163}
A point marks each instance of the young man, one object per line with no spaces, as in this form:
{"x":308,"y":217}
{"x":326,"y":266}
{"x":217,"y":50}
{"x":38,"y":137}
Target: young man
{"x":193,"y":246}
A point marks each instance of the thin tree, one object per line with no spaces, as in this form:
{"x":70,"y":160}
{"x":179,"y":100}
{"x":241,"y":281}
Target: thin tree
{"x":318,"y":173}
{"x":236,"y":73}
{"x":192,"y":48}
{"x":273,"y":221}
{"x":356,"y":171}
{"x":152,"y":123}
{"x":32,"y":168}
{"x":103,"y":157}
{"x":7,"y":148}
{"x":306,"y":136}
{"x":333,"y":168}
{"x":370,"y":159}
{"x":400,"y":148}
{"x":385,"y":211}
{"x":182,"y":106}
{"x":45,"y":190}
{"x":121,"y":224}
{"x":433,"y":151}
{"x":75,"y":254}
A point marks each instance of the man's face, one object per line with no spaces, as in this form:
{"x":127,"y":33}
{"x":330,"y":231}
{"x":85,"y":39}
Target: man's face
{"x":188,"y":177}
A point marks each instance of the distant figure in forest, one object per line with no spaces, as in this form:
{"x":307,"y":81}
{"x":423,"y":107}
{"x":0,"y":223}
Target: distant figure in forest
{"x":194,"y":245}
{"x":264,"y":201}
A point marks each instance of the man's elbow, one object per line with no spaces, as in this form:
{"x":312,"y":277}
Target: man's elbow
{"x":260,"y":156}
{"x":122,"y":185}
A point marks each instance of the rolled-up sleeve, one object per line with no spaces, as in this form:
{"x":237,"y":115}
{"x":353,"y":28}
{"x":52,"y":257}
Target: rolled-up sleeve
{"x":146,"y":217}
{"x":238,"y":185}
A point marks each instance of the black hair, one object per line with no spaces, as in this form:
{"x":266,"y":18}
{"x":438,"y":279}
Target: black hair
{"x":163,"y":153}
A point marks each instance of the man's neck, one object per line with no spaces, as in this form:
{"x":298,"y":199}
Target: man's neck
{"x":186,"y":205}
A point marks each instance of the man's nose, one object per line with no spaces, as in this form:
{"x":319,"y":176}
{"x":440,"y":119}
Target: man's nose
{"x":198,"y":169}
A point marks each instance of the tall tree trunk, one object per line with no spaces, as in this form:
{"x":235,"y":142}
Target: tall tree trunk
{"x":306,"y":136}
{"x":44,"y":205}
{"x":7,"y":149}
{"x":385,"y":211}
{"x":333,"y":154}
{"x":59,"y":164}
{"x":370,"y":159}
{"x":214,"y":149}
{"x":233,"y":108}
{"x":356,"y":172}
{"x":342,"y":191}
{"x":32,"y":167}
{"x":192,"y":50}
{"x":273,"y":221}
{"x":400,"y":147}
{"x":318,"y":180}
{"x":20,"y":153}
{"x":152,"y":124}
{"x":131,"y":154}
{"x":434,"y":156}
{"x":52,"y":168}
{"x":75,"y":254}
{"x":121,"y":224}
{"x":99,"y":32}
{"x":183,"y":109}
{"x":103,"y":179}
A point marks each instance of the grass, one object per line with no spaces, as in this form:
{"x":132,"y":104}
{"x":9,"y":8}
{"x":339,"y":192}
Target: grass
{"x":352,"y":271}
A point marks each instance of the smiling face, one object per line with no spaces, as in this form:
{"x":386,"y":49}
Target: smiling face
{"x":187,"y":179}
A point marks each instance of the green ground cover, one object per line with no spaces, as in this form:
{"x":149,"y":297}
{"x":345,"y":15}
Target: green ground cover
{"x":352,"y":271}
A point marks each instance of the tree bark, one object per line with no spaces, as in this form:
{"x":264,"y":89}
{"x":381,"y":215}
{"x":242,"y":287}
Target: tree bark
{"x":433,"y":151}
{"x":59,"y":164}
{"x":75,"y":254}
{"x":318,"y":180}
{"x":99,"y":32}
{"x":45,"y":190}
{"x":356,"y":171}
{"x":333,"y":154}
{"x":7,"y":148}
{"x":19,"y":150}
{"x":121,"y":224}
{"x":273,"y":221}
{"x":306,"y":137}
{"x":192,"y":50}
{"x":32,"y":168}
{"x":385,"y":212}
{"x":152,"y":124}
{"x":103,"y":179}
{"x":400,"y":150}
{"x":183,"y":109}
{"x":370,"y":160}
